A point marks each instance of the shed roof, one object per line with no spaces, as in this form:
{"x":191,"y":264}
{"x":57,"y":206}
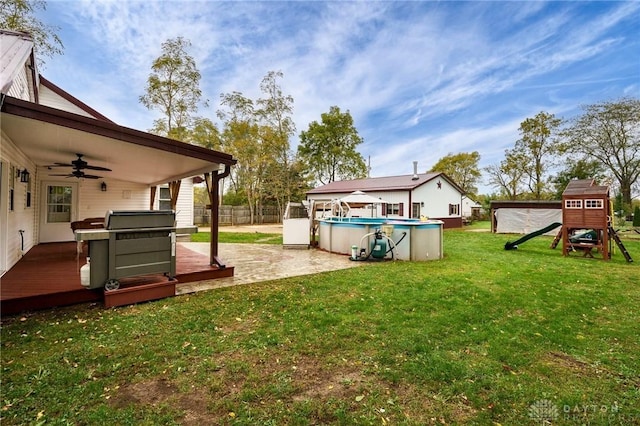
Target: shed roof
{"x":584,"y":187}
{"x":387,"y":183}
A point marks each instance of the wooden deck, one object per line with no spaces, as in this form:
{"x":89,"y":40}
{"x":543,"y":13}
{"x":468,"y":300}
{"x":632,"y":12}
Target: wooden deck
{"x":49,"y":275}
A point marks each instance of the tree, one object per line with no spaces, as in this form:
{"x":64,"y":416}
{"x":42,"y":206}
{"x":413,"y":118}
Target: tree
{"x":329,"y":148}
{"x":636,"y":217}
{"x":508,"y":175}
{"x":241,"y":138}
{"x":275,"y":112}
{"x":610,"y":133}
{"x":205,"y":133}
{"x":19,"y":15}
{"x":173,"y":88}
{"x":462,"y":168}
{"x":538,"y":144}
{"x":578,"y":169}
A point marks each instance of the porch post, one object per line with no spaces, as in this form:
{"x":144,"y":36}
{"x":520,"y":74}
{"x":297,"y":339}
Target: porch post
{"x":174,"y":190}
{"x":213,"y":188}
{"x":153,"y":197}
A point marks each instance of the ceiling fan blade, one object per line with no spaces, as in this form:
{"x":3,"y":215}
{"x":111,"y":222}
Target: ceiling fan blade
{"x":66,"y":175}
{"x":104,"y":169}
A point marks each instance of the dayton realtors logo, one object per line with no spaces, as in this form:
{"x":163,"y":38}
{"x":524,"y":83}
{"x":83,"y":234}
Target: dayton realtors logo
{"x":544,"y":411}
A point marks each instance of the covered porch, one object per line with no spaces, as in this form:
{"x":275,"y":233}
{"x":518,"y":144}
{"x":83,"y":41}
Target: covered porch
{"x":49,"y":276}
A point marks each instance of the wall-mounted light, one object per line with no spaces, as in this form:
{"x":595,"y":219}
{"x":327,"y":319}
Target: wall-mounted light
{"x":103,"y":187}
{"x":421,"y":203}
{"x":23,"y":175}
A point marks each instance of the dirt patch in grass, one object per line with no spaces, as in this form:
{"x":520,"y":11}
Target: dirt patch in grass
{"x":566,"y":362}
{"x":314,"y":381}
{"x":157,"y":392}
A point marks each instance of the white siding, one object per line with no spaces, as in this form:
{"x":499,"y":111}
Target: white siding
{"x":184,"y":205}
{"x":120,"y":195}
{"x":437,"y":200}
{"x":468,"y":205}
{"x":22,"y":217}
{"x":53,"y":100}
{"x":20,"y":87}
{"x":434,"y":201}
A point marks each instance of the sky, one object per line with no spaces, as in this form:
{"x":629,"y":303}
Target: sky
{"x":421,"y":79}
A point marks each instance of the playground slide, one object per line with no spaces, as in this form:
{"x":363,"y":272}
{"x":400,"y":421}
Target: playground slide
{"x":514,"y":245}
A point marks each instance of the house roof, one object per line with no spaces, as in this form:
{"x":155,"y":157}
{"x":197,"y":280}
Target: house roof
{"x":48,"y":135}
{"x":16,"y":49}
{"x":387,"y":183}
{"x":75,"y":101}
{"x":584,"y":187}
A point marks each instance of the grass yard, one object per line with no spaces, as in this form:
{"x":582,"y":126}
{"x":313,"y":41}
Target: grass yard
{"x":484,"y":336}
{"x":238,"y":237}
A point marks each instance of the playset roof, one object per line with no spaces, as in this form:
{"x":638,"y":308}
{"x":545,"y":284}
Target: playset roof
{"x":585,"y":187}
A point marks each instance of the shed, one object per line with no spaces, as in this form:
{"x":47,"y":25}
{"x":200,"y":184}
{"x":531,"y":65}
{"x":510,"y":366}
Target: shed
{"x":522,"y":217}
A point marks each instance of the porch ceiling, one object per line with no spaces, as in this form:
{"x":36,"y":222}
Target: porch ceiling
{"x":47,"y":135}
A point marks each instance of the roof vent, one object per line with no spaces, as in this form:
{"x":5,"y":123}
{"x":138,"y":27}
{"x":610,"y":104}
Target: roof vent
{"x":415,"y":171}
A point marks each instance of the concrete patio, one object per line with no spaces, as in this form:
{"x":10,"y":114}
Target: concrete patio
{"x":264,"y":262}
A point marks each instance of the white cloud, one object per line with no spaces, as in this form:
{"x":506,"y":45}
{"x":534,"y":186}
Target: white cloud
{"x":450,"y":76}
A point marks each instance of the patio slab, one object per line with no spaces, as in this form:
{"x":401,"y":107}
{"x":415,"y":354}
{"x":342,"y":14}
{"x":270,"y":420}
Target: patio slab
{"x":265,"y":262}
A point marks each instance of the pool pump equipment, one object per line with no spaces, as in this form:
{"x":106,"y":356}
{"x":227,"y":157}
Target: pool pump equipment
{"x":381,"y":245}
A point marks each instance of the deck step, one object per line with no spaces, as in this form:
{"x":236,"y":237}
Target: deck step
{"x":140,"y":293}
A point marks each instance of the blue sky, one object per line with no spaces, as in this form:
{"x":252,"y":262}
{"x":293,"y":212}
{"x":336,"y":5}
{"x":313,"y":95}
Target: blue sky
{"x":421,"y":79}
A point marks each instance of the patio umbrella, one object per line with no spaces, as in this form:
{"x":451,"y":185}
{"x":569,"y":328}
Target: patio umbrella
{"x":359,"y":197}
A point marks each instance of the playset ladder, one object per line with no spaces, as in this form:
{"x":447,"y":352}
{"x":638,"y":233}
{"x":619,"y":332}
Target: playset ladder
{"x":557,"y":239}
{"x":613,"y":234}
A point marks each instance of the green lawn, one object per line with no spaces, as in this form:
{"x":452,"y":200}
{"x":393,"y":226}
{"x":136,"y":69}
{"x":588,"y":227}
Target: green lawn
{"x":484,"y":336}
{"x":238,"y":237}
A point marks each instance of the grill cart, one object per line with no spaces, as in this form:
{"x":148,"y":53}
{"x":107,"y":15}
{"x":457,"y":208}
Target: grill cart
{"x":133,"y":242}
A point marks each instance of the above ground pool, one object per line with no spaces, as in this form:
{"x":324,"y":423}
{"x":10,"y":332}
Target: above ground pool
{"x":382,"y":238}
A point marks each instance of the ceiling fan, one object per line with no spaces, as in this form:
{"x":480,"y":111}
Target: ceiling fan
{"x":78,"y":166}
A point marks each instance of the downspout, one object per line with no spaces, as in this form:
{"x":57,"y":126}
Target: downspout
{"x":214,"y":198}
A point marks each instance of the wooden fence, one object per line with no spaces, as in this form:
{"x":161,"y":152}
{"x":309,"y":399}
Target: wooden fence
{"x":236,"y":215}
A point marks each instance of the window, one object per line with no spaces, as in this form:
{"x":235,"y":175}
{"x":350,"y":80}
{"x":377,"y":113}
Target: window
{"x":28,"y":202}
{"x":454,"y":209}
{"x":12,"y":185}
{"x":164,"y":198}
{"x":593,"y":204}
{"x":415,"y":210}
{"x":572,"y":204}
{"x":393,"y":208}
{"x":59,"y":199}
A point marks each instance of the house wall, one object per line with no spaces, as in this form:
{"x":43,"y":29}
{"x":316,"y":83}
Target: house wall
{"x":120,"y":195}
{"x":20,"y":86}
{"x":468,"y":205}
{"x":51,"y":99}
{"x":437,"y":200}
{"x":184,"y":205}
{"x":22,"y":217}
{"x":320,"y":199}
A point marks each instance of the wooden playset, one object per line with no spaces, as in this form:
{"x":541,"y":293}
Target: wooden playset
{"x":586,"y":221}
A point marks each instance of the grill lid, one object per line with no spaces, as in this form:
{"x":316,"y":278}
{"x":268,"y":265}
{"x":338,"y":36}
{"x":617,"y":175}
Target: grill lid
{"x":128,"y":219}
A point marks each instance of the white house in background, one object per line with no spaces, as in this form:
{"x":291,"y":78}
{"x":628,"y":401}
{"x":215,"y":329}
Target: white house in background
{"x":470,"y":208}
{"x":42,"y":125}
{"x":431,"y":195}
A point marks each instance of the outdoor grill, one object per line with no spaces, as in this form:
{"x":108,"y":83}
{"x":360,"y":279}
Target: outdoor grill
{"x":132,"y":243}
